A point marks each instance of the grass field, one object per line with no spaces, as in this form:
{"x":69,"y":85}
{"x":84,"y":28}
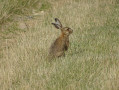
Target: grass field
{"x":91,"y":63}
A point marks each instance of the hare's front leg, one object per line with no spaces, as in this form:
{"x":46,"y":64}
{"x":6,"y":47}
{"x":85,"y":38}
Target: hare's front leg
{"x":66,"y":46}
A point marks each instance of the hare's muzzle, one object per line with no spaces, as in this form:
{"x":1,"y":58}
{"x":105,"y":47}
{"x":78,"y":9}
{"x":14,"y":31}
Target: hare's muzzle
{"x":70,"y":31}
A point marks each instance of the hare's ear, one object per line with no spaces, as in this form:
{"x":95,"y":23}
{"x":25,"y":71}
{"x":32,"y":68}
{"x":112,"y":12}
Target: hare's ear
{"x":57,"y":21}
{"x":56,"y":25}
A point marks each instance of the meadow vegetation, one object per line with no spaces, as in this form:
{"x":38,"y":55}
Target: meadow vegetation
{"x":92,"y":61}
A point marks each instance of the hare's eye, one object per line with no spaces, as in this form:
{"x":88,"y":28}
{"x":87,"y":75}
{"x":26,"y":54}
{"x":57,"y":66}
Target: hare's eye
{"x":68,"y":29}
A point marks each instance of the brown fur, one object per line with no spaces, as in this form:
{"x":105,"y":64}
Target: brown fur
{"x":61,"y":44}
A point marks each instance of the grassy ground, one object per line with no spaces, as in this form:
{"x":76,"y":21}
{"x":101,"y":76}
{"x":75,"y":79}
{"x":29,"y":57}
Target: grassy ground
{"x":91,"y":63}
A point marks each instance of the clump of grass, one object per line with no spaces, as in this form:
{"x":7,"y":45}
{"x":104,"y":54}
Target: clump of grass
{"x":10,"y":8}
{"x":45,"y":5}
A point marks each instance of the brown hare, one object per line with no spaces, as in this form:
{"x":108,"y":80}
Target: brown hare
{"x":61,"y":44}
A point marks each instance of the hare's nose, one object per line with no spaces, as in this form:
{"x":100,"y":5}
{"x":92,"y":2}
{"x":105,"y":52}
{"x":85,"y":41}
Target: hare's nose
{"x":71,"y":31}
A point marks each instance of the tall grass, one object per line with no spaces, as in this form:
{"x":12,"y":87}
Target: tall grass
{"x":10,"y":8}
{"x":91,"y":62}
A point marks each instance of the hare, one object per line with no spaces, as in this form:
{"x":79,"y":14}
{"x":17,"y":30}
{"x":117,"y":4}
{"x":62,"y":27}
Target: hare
{"x":61,"y":44}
